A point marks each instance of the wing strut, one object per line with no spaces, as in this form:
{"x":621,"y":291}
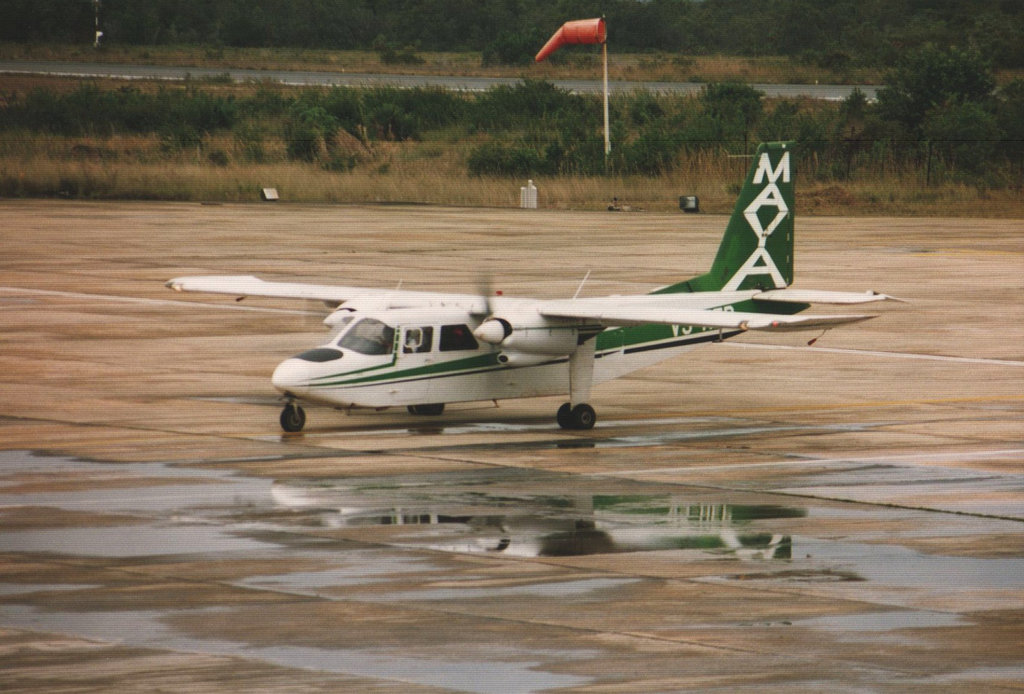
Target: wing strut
{"x":581,"y":373}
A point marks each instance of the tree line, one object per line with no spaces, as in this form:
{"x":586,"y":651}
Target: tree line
{"x":834,"y":33}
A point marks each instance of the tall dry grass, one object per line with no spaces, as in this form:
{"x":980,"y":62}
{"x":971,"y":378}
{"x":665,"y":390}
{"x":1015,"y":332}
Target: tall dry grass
{"x":222,"y":170}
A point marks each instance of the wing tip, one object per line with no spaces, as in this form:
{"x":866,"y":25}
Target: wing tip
{"x":888,"y":297}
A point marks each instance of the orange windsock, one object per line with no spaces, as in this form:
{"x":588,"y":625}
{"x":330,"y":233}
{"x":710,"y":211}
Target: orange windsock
{"x":578,"y":31}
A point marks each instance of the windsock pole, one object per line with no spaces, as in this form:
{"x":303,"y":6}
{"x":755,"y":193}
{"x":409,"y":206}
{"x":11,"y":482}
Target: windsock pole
{"x":584,"y":31}
{"x":607,"y":134}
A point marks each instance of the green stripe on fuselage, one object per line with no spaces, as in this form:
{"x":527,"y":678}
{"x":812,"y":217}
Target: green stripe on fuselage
{"x":447,"y":368}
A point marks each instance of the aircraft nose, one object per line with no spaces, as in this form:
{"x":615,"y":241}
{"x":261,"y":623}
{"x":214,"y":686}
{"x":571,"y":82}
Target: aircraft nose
{"x":290,"y":375}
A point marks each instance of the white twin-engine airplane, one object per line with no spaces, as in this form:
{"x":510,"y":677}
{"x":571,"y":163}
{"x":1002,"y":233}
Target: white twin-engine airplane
{"x":423,"y":349}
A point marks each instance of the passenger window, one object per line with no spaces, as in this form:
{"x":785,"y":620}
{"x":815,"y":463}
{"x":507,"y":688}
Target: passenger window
{"x":417,"y":340}
{"x":456,"y":337}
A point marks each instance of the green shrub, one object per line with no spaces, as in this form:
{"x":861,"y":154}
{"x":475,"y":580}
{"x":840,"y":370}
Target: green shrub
{"x":513,"y":48}
{"x":532,"y":102}
{"x":91,"y":110}
{"x":303,"y":141}
{"x":494,"y":159}
{"x":180,"y":136}
{"x":218,"y":157}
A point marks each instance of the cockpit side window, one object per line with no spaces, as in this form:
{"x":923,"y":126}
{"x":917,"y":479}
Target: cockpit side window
{"x":457,"y":337}
{"x":369,"y":336}
{"x":417,"y":340}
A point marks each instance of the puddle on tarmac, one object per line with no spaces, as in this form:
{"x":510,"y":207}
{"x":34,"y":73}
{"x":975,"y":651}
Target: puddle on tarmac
{"x":1012,"y":675}
{"x":479,"y":514}
{"x":178,"y":510}
{"x":587,"y":590}
{"x":145,"y":488}
{"x":895,"y":565}
{"x":207,"y":514}
{"x":165,"y":509}
{"x":938,"y":486}
{"x":514,"y":671}
{"x":504,"y":512}
{"x":28,"y":589}
{"x":883,"y":627}
{"x":874,"y":622}
{"x":361,"y":567}
{"x":130,"y":541}
{"x":869,"y":627}
{"x":476,"y":520}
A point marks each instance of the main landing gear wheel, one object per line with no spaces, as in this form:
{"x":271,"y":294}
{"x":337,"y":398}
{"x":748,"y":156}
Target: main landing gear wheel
{"x":433,"y":410}
{"x":580,"y":418}
{"x":564,"y":416}
{"x":293,"y":418}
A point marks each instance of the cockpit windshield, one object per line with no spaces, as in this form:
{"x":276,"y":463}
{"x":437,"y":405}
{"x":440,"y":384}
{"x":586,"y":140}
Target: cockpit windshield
{"x":339,"y":323}
{"x":368,"y":336}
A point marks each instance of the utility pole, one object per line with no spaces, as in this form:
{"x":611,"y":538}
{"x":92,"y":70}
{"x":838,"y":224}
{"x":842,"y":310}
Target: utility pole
{"x":98,"y":34}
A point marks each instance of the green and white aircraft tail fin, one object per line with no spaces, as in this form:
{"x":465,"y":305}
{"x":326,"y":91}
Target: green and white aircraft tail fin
{"x":757,"y":249}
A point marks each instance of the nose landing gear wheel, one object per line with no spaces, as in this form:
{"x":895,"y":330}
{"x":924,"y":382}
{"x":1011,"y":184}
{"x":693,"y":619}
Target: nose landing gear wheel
{"x":580,"y":418}
{"x":293,"y":418}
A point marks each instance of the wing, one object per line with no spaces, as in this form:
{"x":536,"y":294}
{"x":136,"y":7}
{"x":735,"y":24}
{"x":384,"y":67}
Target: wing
{"x":709,"y":309}
{"x":332,"y":295}
{"x":705,"y":309}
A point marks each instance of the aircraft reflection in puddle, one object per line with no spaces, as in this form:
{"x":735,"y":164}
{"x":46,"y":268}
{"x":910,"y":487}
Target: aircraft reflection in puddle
{"x":550,"y":526}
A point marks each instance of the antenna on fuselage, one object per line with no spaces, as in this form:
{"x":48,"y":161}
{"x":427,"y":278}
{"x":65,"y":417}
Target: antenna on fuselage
{"x":485,"y":289}
{"x":580,"y":288}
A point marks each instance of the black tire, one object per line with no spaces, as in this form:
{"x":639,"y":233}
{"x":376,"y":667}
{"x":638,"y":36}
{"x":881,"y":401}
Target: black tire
{"x":433,"y":410}
{"x":293,"y":418}
{"x":564,"y":416}
{"x":583,"y":417}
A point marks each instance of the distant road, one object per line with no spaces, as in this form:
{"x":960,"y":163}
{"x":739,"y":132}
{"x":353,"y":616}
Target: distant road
{"x":830,"y":92}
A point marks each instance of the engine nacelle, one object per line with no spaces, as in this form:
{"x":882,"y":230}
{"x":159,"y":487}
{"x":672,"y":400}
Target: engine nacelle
{"x":493,"y":331}
{"x":539,"y":336}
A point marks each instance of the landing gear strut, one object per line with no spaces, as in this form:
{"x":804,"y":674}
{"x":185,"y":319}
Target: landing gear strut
{"x":577,"y":414}
{"x":293,"y":418}
{"x":580,"y":418}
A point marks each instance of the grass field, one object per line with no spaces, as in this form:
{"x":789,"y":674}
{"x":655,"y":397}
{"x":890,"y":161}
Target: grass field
{"x":431,"y":171}
{"x":417,"y":172}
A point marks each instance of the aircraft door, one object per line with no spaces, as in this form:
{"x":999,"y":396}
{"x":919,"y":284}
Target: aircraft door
{"x":416,"y":351}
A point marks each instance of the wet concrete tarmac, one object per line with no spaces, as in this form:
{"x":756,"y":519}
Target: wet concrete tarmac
{"x":757,"y":516}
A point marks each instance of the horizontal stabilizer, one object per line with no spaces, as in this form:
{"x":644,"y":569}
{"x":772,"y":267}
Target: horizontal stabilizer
{"x":818,"y":296}
{"x":628,"y":314}
{"x":794,"y":323}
